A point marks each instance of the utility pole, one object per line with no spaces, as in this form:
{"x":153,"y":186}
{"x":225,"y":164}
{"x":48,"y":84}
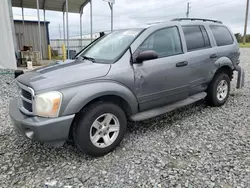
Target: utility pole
{"x":246,"y":20}
{"x":188,"y":9}
{"x":111,"y":4}
{"x":111,"y":9}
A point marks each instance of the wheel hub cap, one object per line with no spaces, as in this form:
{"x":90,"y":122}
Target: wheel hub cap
{"x":222,"y":90}
{"x":104,"y":130}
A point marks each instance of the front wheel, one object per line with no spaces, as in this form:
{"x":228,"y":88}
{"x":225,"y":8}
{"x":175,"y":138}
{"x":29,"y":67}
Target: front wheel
{"x":99,"y":128}
{"x":218,"y":90}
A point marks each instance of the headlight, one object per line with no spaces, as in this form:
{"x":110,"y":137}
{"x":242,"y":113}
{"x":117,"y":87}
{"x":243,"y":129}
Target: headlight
{"x":48,"y":104}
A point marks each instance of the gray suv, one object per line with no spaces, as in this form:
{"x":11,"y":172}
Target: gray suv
{"x":131,"y":74}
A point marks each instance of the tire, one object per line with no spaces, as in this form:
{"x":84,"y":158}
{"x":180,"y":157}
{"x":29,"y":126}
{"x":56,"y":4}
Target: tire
{"x":92,"y":133}
{"x":218,"y":90}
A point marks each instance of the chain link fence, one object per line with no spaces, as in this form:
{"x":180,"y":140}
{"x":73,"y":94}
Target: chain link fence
{"x":74,"y":44}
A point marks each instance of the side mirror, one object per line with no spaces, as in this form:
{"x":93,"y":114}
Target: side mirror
{"x":146,"y":55}
{"x":18,"y":73}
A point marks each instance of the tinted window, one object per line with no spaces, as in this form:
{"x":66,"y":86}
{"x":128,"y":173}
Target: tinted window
{"x":222,"y":35}
{"x":196,"y":37}
{"x":205,"y":36}
{"x":165,"y":42}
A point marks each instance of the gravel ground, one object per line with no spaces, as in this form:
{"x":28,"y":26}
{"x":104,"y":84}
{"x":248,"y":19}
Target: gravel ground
{"x":195,"y":146}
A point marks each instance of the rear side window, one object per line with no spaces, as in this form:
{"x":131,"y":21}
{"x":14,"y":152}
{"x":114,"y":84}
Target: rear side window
{"x":222,"y":35}
{"x":196,"y":37}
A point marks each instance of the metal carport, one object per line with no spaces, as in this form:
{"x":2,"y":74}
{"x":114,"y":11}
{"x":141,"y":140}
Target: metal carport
{"x":65,"y":6}
{"x":76,"y":6}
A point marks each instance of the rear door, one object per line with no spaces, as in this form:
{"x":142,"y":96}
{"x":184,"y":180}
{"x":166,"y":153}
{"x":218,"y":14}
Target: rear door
{"x":227,"y":45}
{"x":201,"y":56}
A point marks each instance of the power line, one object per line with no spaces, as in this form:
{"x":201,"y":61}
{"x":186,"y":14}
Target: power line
{"x":219,"y":4}
{"x":141,"y":8}
{"x":151,"y":7}
{"x":171,"y":15}
{"x":159,"y":8}
{"x":195,"y":10}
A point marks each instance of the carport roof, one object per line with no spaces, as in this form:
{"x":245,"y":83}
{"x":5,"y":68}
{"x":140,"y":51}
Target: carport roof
{"x":75,"y":6}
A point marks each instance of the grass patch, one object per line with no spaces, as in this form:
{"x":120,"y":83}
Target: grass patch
{"x":247,"y":45}
{"x":57,"y":58}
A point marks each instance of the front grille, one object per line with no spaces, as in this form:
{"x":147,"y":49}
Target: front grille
{"x":27,"y":105}
{"x":26,"y":95}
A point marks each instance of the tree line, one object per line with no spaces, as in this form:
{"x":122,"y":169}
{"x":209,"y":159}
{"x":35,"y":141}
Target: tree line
{"x":239,"y":38}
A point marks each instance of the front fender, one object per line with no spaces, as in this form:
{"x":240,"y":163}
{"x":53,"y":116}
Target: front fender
{"x":75,"y":98}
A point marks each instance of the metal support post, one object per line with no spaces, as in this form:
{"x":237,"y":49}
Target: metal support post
{"x":67,"y":26}
{"x":188,"y":9}
{"x":91,"y":20}
{"x":64,"y":35}
{"x":24,"y":42}
{"x":81,"y":29}
{"x":45,"y":30}
{"x":44,"y":23}
{"x":111,"y":9}
{"x":39,"y":29}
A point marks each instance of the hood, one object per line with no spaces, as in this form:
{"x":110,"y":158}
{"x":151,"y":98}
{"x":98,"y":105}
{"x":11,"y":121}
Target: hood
{"x":61,"y":74}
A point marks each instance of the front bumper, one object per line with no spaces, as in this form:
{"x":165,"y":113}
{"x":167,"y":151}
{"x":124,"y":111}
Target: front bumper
{"x":241,"y":77}
{"x":48,"y":130}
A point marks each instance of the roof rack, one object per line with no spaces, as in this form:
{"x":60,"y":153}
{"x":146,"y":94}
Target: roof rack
{"x":195,"y":19}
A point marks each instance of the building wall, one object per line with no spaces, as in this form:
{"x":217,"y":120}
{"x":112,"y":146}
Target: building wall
{"x":28,"y":36}
{"x":7,"y":49}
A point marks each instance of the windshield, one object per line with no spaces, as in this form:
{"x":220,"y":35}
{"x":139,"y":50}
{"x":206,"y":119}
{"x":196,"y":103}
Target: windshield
{"x":111,"y":46}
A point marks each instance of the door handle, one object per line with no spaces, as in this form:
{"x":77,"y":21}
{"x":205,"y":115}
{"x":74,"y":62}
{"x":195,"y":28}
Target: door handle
{"x":182,"y":64}
{"x":213,"y":56}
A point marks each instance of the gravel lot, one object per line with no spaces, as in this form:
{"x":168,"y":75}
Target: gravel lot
{"x":196,"y":146}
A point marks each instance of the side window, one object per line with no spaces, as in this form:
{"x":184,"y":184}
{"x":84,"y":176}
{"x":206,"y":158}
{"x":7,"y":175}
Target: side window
{"x":196,"y":37}
{"x":166,"y":42}
{"x":222,"y":35}
{"x":205,"y":36}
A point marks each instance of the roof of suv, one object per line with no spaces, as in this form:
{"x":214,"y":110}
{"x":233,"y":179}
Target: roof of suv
{"x":187,"y":21}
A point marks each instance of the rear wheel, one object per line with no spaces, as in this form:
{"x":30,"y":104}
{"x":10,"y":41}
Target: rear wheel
{"x":218,"y":90}
{"x":99,"y":128}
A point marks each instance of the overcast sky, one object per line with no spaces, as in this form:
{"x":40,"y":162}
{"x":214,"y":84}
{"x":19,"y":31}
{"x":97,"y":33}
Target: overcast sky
{"x":138,"y":13}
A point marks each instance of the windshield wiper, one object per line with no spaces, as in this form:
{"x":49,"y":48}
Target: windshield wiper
{"x":89,"y":58}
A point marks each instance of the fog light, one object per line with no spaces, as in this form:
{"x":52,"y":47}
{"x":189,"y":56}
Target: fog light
{"x":29,"y":133}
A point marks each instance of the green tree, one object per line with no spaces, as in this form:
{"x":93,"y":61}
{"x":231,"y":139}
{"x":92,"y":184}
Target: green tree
{"x":248,"y":38}
{"x":238,"y":37}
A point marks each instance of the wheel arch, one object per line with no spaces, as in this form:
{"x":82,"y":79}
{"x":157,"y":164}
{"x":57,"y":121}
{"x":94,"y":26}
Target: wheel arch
{"x":226,"y":69}
{"x":81,"y":96}
{"x":225,"y":64}
{"x":116,"y":99}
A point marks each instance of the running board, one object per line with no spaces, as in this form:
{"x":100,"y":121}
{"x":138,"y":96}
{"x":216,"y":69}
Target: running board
{"x":162,"y":110}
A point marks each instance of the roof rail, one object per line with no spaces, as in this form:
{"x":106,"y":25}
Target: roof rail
{"x":196,"y":19}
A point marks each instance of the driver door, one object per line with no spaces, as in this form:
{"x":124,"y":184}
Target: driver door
{"x":166,"y":79}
